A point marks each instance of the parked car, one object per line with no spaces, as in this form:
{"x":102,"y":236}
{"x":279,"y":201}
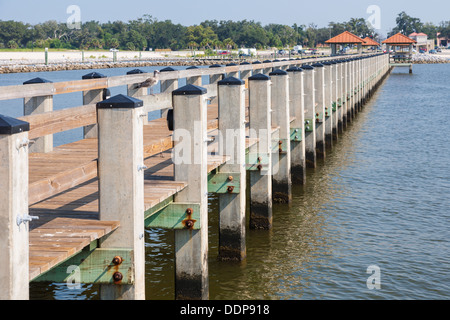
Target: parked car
{"x":421,"y":51}
{"x":432,"y":51}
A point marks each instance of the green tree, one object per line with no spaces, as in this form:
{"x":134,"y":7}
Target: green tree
{"x":406,"y":24}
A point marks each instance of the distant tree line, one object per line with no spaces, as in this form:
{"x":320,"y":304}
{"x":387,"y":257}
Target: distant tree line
{"x":406,"y":25}
{"x":148,"y":32}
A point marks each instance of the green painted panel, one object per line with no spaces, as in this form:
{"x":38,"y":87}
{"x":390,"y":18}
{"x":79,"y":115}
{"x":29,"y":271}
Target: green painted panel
{"x":253,"y":160}
{"x":279,"y":145}
{"x":92,"y":266}
{"x":220,"y":182}
{"x":319,"y":116}
{"x":175,"y":216}
{"x":296,"y":134}
{"x":309,"y":125}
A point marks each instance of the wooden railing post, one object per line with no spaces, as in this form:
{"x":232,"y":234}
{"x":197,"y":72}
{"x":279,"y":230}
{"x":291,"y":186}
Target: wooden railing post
{"x":282,"y":181}
{"x":310,"y":115}
{"x":121,"y":186}
{"x":296,"y":106}
{"x":14,"y":218}
{"x":91,"y":97}
{"x":260,"y":127}
{"x":232,"y":143}
{"x":190,"y":165}
{"x":37,"y":105}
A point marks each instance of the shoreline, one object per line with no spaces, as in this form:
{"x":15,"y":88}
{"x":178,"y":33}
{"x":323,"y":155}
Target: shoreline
{"x":25,"y":62}
{"x":24,"y":68}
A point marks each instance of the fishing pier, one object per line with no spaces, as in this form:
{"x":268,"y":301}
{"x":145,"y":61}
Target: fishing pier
{"x":78,"y":212}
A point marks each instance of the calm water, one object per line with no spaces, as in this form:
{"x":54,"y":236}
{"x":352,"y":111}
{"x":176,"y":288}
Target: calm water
{"x":380,"y":199}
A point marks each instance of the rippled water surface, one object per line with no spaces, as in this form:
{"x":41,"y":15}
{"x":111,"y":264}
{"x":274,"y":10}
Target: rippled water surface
{"x":381,"y":198}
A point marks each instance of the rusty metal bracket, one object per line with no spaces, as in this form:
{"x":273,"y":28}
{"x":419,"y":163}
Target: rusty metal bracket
{"x":279,"y":145}
{"x":319,"y":117}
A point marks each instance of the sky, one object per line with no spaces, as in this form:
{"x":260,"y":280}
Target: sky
{"x":192,"y":12}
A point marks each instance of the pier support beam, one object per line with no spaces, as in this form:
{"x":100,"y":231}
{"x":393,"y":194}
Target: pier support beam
{"x":260,"y":127}
{"x":190,"y":165}
{"x":281,"y":182}
{"x":310,"y":115}
{"x":319,"y":92}
{"x":296,"y":110}
{"x":92,"y":97}
{"x":14,"y":238}
{"x":121,"y":186}
{"x":232,"y":143}
{"x":38,"y":105}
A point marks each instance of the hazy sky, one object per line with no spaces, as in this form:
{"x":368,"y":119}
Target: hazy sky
{"x":191,"y":12}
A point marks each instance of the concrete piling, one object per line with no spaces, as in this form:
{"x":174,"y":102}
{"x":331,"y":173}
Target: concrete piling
{"x":14,"y":217}
{"x":190,"y":165}
{"x":296,"y":110}
{"x":260,"y":128}
{"x":281,"y":182}
{"x":121,"y":186}
{"x":310,"y":116}
{"x":232,"y":143}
